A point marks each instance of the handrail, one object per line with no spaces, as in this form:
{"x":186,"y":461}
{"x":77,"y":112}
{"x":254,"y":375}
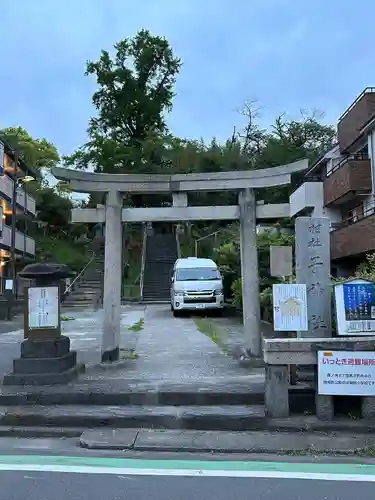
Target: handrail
{"x":176,"y":235}
{"x":69,"y":287}
{"x":203,"y":238}
{"x":143,"y":265}
{"x":368,"y":90}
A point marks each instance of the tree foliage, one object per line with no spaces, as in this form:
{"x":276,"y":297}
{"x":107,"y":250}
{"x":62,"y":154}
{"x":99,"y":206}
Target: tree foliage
{"x":135,"y":91}
{"x":39,"y":153}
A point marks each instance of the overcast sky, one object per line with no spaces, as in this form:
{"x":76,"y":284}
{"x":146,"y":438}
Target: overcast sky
{"x":288,"y":54}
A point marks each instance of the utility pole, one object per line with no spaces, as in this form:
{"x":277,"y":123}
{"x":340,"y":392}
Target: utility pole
{"x":13,"y":235}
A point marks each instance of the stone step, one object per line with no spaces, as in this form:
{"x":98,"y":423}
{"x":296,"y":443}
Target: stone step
{"x":149,"y":295}
{"x":77,"y":302}
{"x":156,"y":417}
{"x":301,"y":398}
{"x":160,"y":261}
{"x":81,"y":298}
{"x":156,"y":298}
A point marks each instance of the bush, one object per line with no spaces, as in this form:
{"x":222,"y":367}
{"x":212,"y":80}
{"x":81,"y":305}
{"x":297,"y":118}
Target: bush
{"x":73,"y":254}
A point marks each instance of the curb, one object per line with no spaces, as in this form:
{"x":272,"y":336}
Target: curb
{"x":144,"y":440}
{"x":40,"y":432}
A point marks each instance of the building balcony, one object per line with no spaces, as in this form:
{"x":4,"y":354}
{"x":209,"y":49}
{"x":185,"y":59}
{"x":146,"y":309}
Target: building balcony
{"x":354,"y":236}
{"x":23,"y":243}
{"x":24,"y":200}
{"x":355,"y":118}
{"x":349,"y":178}
{"x":309,"y":196}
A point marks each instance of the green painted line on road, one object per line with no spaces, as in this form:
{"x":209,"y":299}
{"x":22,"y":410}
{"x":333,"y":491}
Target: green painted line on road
{"x":251,"y":466}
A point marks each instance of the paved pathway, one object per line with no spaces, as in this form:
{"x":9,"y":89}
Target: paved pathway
{"x":84,"y":332}
{"x":173,"y":348}
{"x":171,"y":351}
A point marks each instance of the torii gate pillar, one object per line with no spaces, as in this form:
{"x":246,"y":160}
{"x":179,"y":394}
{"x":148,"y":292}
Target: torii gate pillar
{"x":112,"y":277}
{"x":249,"y":273}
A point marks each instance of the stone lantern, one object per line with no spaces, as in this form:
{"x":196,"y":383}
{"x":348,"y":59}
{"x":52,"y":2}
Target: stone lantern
{"x":46,"y":357}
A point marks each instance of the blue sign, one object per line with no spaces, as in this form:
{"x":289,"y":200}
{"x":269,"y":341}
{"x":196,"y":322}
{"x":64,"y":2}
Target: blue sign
{"x":359,"y":301}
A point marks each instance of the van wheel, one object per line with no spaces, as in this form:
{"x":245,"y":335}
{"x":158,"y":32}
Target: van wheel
{"x":172,"y":308}
{"x":219,"y":313}
{"x":176,"y":314}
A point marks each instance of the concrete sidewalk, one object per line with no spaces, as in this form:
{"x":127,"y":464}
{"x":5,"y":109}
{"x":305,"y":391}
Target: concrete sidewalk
{"x":11,"y":326}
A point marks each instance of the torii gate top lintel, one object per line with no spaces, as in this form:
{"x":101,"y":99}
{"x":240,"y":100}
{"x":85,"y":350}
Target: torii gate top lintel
{"x":86,"y":182}
{"x":113,"y":215}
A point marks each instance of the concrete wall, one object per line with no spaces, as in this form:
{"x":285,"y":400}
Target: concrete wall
{"x":309,"y":197}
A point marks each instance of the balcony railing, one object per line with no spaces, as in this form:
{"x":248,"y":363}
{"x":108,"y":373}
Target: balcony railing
{"x":354,"y":119}
{"x":349,"y":178}
{"x":24,"y":200}
{"x":362,"y":213}
{"x":345,"y":160}
{"x":368,"y":90}
{"x":354,"y":236}
{"x":23,"y":243}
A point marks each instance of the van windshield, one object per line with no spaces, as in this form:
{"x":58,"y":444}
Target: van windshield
{"x":197,"y":274}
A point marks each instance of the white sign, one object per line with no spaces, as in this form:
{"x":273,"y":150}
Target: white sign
{"x":289,"y":308}
{"x":346,"y":373}
{"x":355,"y":307}
{"x":43,"y":307}
{"x":8,"y":284}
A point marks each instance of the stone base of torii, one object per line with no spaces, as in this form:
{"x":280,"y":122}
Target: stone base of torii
{"x":178,"y":186}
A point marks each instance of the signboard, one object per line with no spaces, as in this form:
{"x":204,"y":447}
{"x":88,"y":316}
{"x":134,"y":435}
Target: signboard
{"x":355,"y":307}
{"x":8,"y":285}
{"x":289,"y":308}
{"x":2,"y":158}
{"x":43,"y":307}
{"x":344,"y":373}
{"x":281,"y":261}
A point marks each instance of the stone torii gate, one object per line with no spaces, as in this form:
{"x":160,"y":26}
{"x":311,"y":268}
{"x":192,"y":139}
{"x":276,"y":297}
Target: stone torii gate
{"x":114,"y":186}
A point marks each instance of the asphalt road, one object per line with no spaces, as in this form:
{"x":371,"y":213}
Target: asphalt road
{"x":24,"y":485}
{"x":45,"y":469}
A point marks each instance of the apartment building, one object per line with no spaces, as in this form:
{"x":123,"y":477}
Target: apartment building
{"x":11,"y":173}
{"x":341,"y":186}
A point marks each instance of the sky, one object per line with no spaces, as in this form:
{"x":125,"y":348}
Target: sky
{"x":286,"y":54}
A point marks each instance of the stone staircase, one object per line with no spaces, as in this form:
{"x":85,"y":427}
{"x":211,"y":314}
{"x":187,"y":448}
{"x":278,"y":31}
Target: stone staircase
{"x":89,"y":289}
{"x":161,"y":254}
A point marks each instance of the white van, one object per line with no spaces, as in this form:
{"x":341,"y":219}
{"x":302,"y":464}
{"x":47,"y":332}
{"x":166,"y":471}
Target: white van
{"x":196,"y":284}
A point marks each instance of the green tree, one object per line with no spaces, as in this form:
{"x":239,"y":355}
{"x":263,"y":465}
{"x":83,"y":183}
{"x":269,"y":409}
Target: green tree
{"x":38,"y":153}
{"x":135,"y":92}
